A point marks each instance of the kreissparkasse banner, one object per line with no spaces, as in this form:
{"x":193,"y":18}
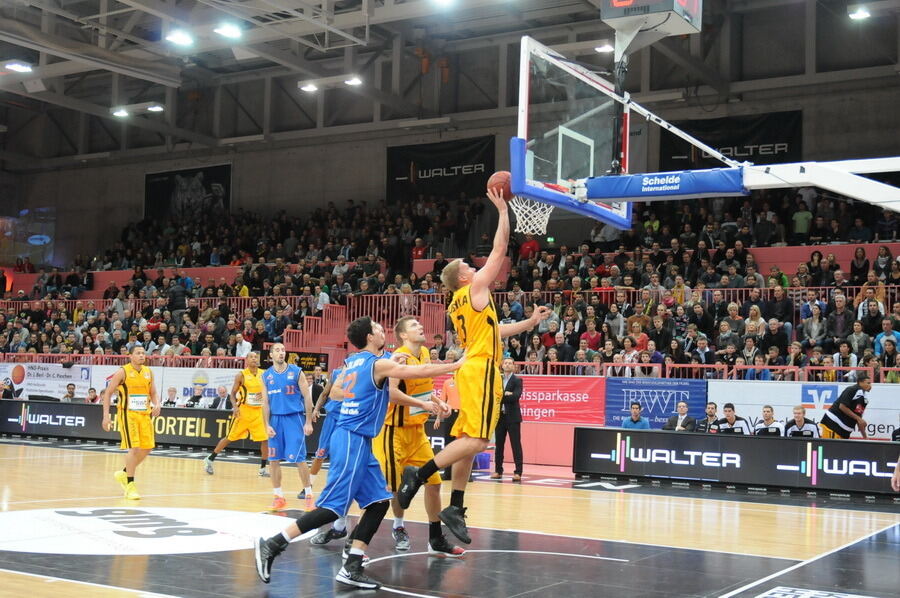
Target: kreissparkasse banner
{"x":770,"y":138}
{"x":443,"y":169}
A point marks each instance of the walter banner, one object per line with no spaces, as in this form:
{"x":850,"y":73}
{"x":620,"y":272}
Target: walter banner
{"x":445,"y":169}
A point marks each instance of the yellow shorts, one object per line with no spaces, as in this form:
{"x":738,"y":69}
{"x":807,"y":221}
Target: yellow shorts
{"x":480,"y":387}
{"x":826,"y":432}
{"x":136,"y":429}
{"x":249,"y":421}
{"x":395,"y":447}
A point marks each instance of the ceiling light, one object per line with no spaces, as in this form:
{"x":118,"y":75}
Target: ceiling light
{"x":155,"y":108}
{"x":860,"y":13}
{"x":180,"y":37}
{"x":120,"y":112}
{"x":229,"y":30}
{"x":17,"y":66}
{"x":604,"y":49}
{"x":445,"y":2}
{"x":353,"y":81}
{"x":310,"y":87}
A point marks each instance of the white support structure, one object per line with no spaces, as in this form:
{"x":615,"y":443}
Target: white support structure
{"x":839,"y":177}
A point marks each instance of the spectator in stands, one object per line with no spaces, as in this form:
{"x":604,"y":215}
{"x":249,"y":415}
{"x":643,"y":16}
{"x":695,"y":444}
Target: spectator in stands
{"x":859,"y":232}
{"x":646,"y":369}
{"x":887,"y":332}
{"x":889,"y":356}
{"x":838,"y":324}
{"x":759,"y":370}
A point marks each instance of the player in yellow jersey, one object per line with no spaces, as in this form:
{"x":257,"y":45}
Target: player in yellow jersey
{"x":137,"y":404}
{"x":251,"y":414}
{"x":478,"y":381}
{"x":403,"y":440}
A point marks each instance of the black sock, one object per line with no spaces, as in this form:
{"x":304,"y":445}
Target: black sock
{"x":353,"y":560}
{"x":130,"y":479}
{"x":434,"y":530}
{"x":263,"y":463}
{"x":278,"y":540}
{"x":212,"y":456}
{"x":456,"y":498}
{"x":427,"y":470}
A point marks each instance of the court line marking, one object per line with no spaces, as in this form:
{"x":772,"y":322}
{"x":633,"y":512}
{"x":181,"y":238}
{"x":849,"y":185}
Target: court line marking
{"x":54,"y":579}
{"x":804,"y":563}
{"x":580,"y":556}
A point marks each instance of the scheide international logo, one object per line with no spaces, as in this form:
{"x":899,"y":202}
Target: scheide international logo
{"x":623,"y":453}
{"x":125,"y":531}
{"x":816,"y":464}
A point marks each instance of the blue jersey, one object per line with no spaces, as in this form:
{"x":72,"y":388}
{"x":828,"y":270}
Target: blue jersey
{"x":283,"y":389}
{"x":332,"y":406}
{"x":365,"y":405}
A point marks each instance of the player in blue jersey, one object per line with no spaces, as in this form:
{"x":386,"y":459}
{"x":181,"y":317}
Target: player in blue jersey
{"x":354,"y":473}
{"x":290,"y":415}
{"x":331,"y":398}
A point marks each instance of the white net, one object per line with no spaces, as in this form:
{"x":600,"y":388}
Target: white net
{"x":531,"y":216}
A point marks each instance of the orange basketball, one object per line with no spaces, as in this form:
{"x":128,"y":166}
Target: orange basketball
{"x":499,"y":181}
{"x":18,"y":374}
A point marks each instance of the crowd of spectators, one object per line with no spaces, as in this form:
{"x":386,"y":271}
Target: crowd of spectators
{"x":642,"y":300}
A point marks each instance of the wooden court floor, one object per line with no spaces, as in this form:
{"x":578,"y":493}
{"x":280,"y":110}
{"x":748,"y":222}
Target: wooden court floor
{"x":79,"y":481}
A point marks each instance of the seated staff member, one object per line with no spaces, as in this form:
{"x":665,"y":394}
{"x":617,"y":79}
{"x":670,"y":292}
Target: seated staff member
{"x":709,"y":424}
{"x":732,"y":423}
{"x":681,"y":422}
{"x":636,"y":421}
{"x":800,"y":426}
{"x":768,"y":426}
{"x":846,"y":413}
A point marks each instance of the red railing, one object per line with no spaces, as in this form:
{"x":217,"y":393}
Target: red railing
{"x":633,"y":370}
{"x":775,"y":372}
{"x":185,"y":361}
{"x":890,"y":375}
{"x":820,"y":373}
{"x":718,"y":371}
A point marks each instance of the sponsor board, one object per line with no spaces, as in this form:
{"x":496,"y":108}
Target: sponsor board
{"x":881,"y":414}
{"x":133,"y":531}
{"x":753,"y":460}
{"x":658,"y":397}
{"x":45,"y":381}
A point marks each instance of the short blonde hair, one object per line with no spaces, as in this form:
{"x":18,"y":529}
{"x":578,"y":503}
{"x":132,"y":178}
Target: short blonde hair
{"x":450,"y":275}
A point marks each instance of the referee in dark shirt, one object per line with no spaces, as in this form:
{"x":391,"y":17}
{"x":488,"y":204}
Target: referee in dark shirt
{"x":846,"y":413}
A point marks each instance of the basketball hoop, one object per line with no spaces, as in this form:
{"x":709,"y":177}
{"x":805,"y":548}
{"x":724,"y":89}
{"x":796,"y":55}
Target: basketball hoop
{"x":531,"y":216}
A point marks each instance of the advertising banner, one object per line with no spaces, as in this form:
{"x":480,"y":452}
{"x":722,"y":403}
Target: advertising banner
{"x":669,"y":185}
{"x":767,"y":461}
{"x":185,"y":193}
{"x":442,"y":169}
{"x":749,"y":397}
{"x":658,"y":397}
{"x":772,"y":138}
{"x":44,"y":381}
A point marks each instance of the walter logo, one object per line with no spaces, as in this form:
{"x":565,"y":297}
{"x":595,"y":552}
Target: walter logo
{"x":817,"y":464}
{"x":27,"y":417}
{"x":123,"y":531}
{"x":623,"y":453}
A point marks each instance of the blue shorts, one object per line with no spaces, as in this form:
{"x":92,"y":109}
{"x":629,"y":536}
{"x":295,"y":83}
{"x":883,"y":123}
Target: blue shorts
{"x":354,"y":474}
{"x":328,"y":426}
{"x":289,"y":442}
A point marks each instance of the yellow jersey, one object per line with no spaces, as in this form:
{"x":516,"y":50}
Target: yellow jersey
{"x":478,"y":331}
{"x":250,"y":393}
{"x":419,"y":388}
{"x":134,"y":391}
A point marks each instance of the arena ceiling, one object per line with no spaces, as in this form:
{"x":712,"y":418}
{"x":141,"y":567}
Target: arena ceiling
{"x":420,"y":63}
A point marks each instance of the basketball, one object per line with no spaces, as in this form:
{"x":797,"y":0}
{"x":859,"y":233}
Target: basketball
{"x":18,"y":374}
{"x":501,"y":179}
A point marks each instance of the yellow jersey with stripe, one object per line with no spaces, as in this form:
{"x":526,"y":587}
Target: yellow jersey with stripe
{"x":478,"y":331}
{"x":419,"y":388}
{"x":250,"y":392}
{"x":134,"y":391}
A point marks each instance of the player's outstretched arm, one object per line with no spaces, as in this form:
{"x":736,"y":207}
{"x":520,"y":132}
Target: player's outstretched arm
{"x":387,"y":368}
{"x":401,"y":398}
{"x":488,"y":273}
{"x":540,"y":313}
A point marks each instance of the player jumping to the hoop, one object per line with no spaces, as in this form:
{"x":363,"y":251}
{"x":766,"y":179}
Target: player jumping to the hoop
{"x":478,"y":381}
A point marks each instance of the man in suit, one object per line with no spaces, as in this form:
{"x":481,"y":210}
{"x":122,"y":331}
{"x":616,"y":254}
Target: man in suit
{"x":510,"y":422}
{"x":681,"y":422}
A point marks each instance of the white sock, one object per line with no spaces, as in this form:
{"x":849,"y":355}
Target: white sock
{"x":340,"y":525}
{"x":285,"y":536}
{"x":308,"y":490}
{"x":358,"y":551}
{"x":278,"y":492}
{"x":398,"y":522}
